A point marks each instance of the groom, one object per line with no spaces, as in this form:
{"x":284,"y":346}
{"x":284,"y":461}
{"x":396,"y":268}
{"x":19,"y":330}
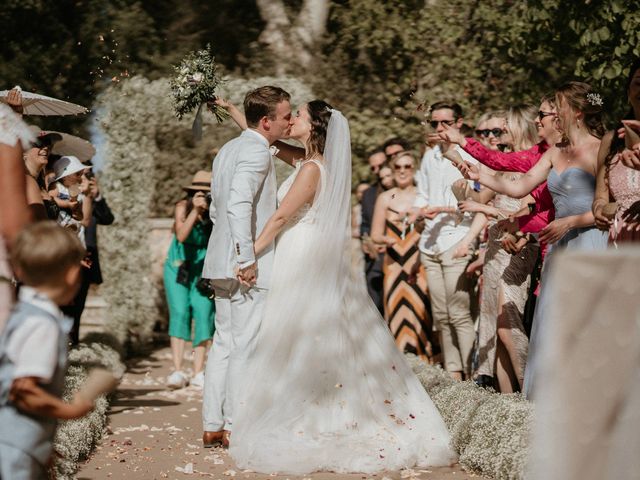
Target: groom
{"x":243,"y":189}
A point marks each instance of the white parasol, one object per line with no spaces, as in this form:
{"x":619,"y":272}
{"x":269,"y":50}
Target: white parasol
{"x":36,"y":104}
{"x":72,"y":145}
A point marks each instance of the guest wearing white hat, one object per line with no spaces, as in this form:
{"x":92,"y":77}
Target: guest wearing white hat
{"x":75,"y":205}
{"x":73,"y":197}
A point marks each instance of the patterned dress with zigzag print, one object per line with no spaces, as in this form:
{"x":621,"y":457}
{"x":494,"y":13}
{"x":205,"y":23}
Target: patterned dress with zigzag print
{"x":407,"y":309}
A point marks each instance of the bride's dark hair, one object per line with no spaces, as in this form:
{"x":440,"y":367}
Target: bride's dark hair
{"x":319,"y":115}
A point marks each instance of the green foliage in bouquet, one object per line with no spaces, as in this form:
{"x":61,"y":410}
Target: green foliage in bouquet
{"x":195,"y":83}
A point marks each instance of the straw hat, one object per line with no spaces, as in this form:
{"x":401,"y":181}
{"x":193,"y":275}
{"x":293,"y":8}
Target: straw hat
{"x":201,"y":181}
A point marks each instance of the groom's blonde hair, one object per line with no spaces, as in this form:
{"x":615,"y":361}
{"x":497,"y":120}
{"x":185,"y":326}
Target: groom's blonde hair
{"x":262,"y":102}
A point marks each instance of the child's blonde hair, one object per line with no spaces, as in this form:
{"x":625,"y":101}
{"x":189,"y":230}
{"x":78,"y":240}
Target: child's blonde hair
{"x":43,"y":252}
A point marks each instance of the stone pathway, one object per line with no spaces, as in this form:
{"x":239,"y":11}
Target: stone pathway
{"x":155,"y":433}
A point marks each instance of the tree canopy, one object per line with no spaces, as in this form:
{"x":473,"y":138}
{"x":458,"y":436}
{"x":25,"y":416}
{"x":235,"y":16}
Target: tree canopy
{"x":380,"y":62}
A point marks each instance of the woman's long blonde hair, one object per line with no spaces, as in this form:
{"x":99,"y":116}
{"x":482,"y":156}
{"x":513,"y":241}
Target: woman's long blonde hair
{"x":521,"y":122}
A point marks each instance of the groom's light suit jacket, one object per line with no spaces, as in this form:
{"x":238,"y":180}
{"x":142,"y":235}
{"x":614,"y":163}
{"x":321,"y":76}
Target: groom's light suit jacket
{"x":243,"y":198}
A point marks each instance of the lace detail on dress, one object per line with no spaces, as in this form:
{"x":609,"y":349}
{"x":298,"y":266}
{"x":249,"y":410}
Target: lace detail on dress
{"x":306,"y":213}
{"x":12,"y":128}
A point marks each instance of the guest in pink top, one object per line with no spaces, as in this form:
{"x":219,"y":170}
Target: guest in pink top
{"x":541,"y":220}
{"x":616,"y":206}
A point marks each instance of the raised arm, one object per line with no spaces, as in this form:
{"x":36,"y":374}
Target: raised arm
{"x":252,"y":169}
{"x":514,"y":188}
{"x":87,"y":210}
{"x":14,"y":209}
{"x":289,"y":153}
{"x":235,"y":114}
{"x":301,"y":192}
{"x":184,"y":223}
{"x":501,"y":161}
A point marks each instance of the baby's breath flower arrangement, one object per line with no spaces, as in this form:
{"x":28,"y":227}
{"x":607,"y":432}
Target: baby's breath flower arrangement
{"x":76,"y":439}
{"x":194,"y":84}
{"x":489,"y":431}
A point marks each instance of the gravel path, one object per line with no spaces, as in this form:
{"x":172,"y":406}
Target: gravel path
{"x":154,"y":433}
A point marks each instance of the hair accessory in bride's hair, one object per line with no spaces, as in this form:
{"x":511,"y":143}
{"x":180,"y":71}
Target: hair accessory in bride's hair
{"x":595,"y":99}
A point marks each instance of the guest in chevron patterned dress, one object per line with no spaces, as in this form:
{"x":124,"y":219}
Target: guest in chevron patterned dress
{"x":406,"y":305}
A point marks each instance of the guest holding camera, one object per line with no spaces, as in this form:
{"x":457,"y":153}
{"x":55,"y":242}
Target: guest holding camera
{"x":188,"y":294}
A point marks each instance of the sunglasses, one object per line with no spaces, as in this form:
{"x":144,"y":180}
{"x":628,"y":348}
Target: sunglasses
{"x":435,"y":123}
{"x":403,"y":167}
{"x":496,"y":132}
{"x":542,"y":114}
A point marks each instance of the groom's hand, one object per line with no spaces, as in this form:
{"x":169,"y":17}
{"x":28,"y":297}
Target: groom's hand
{"x":247,"y":276}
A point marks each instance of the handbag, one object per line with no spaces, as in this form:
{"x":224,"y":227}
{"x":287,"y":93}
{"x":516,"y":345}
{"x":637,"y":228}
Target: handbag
{"x":182,"y":277}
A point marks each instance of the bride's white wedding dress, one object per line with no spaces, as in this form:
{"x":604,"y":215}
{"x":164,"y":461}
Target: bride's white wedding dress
{"x":329,"y":390}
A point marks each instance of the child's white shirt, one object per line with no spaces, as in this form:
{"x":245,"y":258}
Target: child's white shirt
{"x":33,"y":346}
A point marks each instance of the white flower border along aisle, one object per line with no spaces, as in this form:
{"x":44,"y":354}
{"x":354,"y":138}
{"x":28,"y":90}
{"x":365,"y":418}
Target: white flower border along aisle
{"x":489,"y":431}
{"x":76,"y":439}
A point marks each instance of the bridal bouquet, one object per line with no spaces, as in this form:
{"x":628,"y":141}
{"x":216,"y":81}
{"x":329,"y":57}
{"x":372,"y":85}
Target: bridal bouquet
{"x":195,"y":84}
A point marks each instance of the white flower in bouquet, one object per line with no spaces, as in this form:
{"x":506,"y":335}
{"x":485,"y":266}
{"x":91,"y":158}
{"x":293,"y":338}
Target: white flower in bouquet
{"x":195,"y":84}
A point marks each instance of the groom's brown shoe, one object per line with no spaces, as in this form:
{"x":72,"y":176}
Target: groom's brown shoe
{"x":211,"y":439}
{"x":226,"y":437}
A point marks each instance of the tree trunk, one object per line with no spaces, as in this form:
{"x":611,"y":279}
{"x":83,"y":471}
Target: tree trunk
{"x":292,"y":43}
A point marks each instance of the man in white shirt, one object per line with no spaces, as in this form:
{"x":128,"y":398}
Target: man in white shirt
{"x":445,"y":230}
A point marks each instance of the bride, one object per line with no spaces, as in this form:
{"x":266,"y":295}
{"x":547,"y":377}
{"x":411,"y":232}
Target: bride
{"x":329,"y":390}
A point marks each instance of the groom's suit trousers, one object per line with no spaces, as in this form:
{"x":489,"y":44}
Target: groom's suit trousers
{"x":238,"y":316}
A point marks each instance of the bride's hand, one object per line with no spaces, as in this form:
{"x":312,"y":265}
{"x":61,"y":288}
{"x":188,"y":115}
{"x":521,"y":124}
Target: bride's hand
{"x":220,"y":102}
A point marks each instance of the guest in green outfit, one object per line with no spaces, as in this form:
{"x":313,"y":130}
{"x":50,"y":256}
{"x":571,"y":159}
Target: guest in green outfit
{"x":189,"y":297}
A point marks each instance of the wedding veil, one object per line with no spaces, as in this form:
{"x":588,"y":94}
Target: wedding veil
{"x":332,"y":206}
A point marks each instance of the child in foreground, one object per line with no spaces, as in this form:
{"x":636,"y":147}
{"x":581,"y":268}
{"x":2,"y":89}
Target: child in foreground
{"x":33,"y":350}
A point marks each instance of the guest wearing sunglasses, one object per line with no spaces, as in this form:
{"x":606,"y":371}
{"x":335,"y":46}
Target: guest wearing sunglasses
{"x":449,"y":286}
{"x":489,"y":129}
{"x":521,"y":161}
{"x":376,"y":159}
{"x":395,"y":145}
{"x":406,"y":304}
